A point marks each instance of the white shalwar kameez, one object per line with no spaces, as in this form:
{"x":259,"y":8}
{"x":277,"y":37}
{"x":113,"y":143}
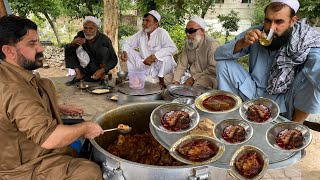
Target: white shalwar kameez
{"x":139,"y":47}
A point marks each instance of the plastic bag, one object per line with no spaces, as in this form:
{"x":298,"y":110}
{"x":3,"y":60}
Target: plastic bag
{"x":82,"y":56}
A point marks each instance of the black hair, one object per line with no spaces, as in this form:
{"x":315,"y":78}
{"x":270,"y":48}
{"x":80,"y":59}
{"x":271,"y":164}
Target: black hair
{"x":13,"y":29}
{"x":277,"y":6}
{"x":147,"y":14}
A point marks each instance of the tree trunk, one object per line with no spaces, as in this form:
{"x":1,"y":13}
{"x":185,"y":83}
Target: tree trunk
{"x":227,"y":35}
{"x":53,"y":27}
{"x":207,"y":5}
{"x":110,"y":25}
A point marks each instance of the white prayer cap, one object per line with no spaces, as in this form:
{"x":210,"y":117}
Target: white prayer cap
{"x":200,"y":21}
{"x":93,"y":19}
{"x":155,"y":14}
{"x":294,"y":4}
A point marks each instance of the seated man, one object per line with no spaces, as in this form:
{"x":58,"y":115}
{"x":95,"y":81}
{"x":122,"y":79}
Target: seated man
{"x":286,"y":71}
{"x":34,"y":142}
{"x":91,"y":53}
{"x":156,"y":49}
{"x":196,"y":66}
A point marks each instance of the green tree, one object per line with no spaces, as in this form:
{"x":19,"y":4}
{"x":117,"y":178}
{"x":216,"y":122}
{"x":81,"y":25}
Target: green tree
{"x":310,"y":10}
{"x":258,"y":13}
{"x":50,"y":9}
{"x":229,"y":22}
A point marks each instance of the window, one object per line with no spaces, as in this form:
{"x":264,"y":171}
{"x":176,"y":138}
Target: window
{"x":219,"y":1}
{"x":246,"y":1}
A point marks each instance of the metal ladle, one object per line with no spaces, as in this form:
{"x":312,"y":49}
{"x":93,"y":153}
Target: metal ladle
{"x":120,"y":128}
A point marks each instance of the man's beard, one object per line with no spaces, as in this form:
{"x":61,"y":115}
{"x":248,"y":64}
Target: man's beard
{"x":30,"y":64}
{"x":90,"y":37}
{"x":146,"y":30}
{"x":280,"y":41}
{"x":194,"y":43}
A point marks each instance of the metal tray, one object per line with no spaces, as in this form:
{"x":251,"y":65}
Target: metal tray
{"x":277,"y":159}
{"x":92,"y":88}
{"x":182,"y":90}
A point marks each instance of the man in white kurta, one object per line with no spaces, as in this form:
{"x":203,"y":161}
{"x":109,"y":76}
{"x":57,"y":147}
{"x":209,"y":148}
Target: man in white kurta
{"x":155,"y":49}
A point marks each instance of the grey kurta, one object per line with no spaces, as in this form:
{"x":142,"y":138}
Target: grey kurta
{"x":202,"y":67}
{"x":28,"y":115}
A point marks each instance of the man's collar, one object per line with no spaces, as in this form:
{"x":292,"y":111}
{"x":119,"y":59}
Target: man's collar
{"x":26,"y":74}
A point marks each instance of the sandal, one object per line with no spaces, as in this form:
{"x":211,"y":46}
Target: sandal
{"x":72,"y":82}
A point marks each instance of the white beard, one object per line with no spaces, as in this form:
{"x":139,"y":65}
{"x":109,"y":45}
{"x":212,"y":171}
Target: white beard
{"x":90,"y":37}
{"x":194,"y":43}
{"x":147,"y":30}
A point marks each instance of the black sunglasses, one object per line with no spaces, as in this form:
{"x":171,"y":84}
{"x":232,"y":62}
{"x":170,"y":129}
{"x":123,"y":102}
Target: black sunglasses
{"x":191,"y":30}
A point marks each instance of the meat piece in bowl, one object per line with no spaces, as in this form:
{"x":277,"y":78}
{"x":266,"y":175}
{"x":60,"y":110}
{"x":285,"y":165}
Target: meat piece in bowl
{"x":290,"y":139}
{"x":234,"y":133}
{"x":258,"y":113}
{"x":198,"y":150}
{"x":249,"y":164}
{"x":176,"y":120}
{"x":219,"y":103}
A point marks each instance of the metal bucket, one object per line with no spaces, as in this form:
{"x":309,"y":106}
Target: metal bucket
{"x":137,"y":115}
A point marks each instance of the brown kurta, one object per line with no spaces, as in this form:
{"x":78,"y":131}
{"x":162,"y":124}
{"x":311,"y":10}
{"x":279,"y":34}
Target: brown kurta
{"x":28,"y":115}
{"x":200,"y":62}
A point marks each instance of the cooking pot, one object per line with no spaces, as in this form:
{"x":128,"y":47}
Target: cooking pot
{"x":137,"y":115}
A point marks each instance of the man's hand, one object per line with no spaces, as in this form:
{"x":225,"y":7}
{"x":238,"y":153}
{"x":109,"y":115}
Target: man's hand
{"x":93,"y":130}
{"x":124,"y":56}
{"x":98,"y":74}
{"x":149,"y":60}
{"x":251,"y":37}
{"x":189,"y":82}
{"x":78,"y":41}
{"x":71,"y":110}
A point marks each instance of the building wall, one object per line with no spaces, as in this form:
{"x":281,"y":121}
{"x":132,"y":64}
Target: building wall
{"x":244,"y":8}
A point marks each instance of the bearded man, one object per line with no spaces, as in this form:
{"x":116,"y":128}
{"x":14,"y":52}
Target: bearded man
{"x":155,"y":49}
{"x":34,"y":142}
{"x":286,"y":71}
{"x":90,"y":54}
{"x":196,"y":66}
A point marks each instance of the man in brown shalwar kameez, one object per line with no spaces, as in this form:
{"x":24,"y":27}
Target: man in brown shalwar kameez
{"x":196,"y":66}
{"x":34,"y":142}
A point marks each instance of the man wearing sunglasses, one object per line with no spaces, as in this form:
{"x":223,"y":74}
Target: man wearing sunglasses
{"x":287,"y":70}
{"x":156,"y":49}
{"x":196,"y":66}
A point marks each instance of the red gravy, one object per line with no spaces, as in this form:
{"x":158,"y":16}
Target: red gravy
{"x":219,"y":103}
{"x":198,"y":150}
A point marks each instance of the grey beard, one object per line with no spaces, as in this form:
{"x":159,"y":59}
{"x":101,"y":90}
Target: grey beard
{"x":90,"y":37}
{"x":194,"y":43}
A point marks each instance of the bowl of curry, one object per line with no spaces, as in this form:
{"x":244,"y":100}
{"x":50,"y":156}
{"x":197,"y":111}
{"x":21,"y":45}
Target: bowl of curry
{"x":218,"y":102}
{"x":249,"y":162}
{"x":288,"y":136}
{"x":197,"y":149}
{"x":174,"y":118}
{"x":259,"y":110}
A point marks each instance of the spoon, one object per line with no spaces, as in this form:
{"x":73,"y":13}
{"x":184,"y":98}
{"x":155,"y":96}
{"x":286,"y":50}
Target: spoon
{"x":121,"y":128}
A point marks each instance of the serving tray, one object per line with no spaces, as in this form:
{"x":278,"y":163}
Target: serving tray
{"x":277,"y":158}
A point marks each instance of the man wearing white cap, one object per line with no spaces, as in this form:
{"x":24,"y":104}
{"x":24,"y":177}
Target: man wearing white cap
{"x":90,"y":54}
{"x":156,"y":49}
{"x":196,"y":66}
{"x":283,"y":66}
